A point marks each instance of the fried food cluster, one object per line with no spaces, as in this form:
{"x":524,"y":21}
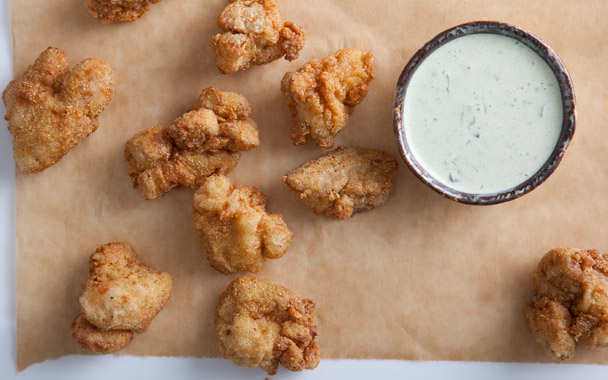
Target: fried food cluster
{"x":344,"y":182}
{"x":206,"y":140}
{"x":111,"y":11}
{"x":121,"y":296}
{"x":235,"y":230}
{"x":262,"y":324}
{"x":254,"y":35}
{"x":570,"y":301}
{"x":323,"y":93}
{"x":51,"y":108}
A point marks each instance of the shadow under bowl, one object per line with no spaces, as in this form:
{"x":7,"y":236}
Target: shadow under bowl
{"x":568,"y":106}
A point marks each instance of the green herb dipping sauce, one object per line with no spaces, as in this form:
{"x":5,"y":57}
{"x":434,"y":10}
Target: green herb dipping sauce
{"x":483,"y":113}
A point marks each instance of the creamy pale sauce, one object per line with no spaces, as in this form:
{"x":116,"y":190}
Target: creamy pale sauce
{"x":482,"y":113}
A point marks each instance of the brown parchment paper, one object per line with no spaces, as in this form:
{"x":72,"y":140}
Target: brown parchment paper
{"x":420,"y":278}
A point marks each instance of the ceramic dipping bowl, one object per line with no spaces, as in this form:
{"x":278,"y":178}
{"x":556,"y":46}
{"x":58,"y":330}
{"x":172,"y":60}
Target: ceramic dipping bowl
{"x":458,"y":145}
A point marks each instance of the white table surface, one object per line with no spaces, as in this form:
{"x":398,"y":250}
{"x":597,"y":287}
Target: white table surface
{"x":112,"y":367}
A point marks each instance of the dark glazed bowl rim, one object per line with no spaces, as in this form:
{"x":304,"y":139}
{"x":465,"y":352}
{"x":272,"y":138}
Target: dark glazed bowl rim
{"x":568,"y":105}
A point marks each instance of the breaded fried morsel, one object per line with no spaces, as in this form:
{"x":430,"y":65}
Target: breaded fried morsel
{"x":235,"y":230}
{"x":262,"y":324}
{"x":254,"y":35}
{"x":570,"y":301}
{"x":344,"y":182}
{"x":122,"y":293}
{"x":121,"y":296}
{"x":202,"y":142}
{"x":111,"y":11}
{"x":323,"y":93}
{"x":51,"y":108}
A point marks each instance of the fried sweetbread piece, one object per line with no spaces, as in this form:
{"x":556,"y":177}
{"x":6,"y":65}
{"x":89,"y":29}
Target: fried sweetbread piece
{"x":121,"y":292}
{"x":570,"y":301}
{"x":94,"y":339}
{"x":204,"y":141}
{"x":323,"y":93}
{"x":112,"y":11}
{"x":344,"y":182}
{"x":254,"y":35}
{"x":235,"y":230}
{"x":262,"y":324}
{"x":51,"y":108}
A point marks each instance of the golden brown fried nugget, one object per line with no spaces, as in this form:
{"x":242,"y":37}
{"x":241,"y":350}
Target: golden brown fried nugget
{"x":122,"y":293}
{"x":205,"y":141}
{"x":323,"y":93}
{"x":254,"y":35}
{"x":111,"y":11}
{"x":121,"y":296}
{"x":235,"y":230}
{"x":51,"y":108}
{"x":344,"y":182}
{"x":91,"y":338}
{"x":570,"y":301}
{"x":262,"y":324}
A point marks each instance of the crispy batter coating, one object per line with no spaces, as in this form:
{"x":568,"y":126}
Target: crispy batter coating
{"x":51,"y":108}
{"x":206,"y":140}
{"x":254,"y":35}
{"x":344,"y":182}
{"x":226,"y":105}
{"x":91,"y":338}
{"x":111,"y":11}
{"x":570,"y":301}
{"x":262,"y":324}
{"x":122,"y":293}
{"x":323,"y":93}
{"x":235,"y":230}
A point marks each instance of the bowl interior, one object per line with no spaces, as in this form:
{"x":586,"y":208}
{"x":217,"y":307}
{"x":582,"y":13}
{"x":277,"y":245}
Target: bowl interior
{"x":568,"y":106}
